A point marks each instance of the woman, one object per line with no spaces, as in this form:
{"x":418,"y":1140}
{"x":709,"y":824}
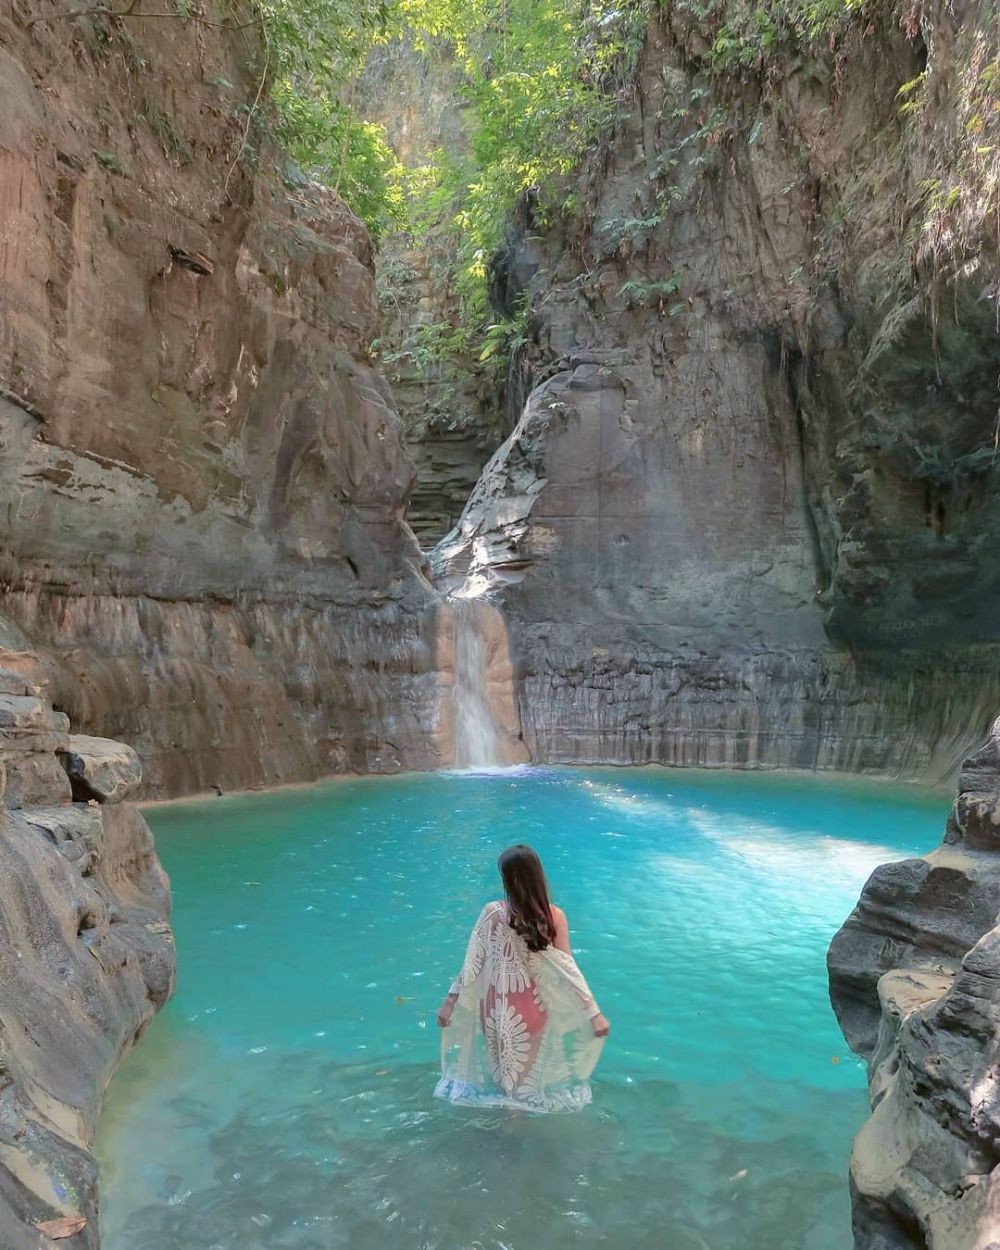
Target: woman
{"x":521,"y":1027}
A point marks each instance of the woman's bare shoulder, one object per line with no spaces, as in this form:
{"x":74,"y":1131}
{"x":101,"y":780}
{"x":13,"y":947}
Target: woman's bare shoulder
{"x":562,"y":929}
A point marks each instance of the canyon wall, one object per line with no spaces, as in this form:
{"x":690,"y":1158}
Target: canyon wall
{"x":749,"y":515}
{"x":915,"y":982}
{"x":202,"y":550}
{"x":86,"y":957}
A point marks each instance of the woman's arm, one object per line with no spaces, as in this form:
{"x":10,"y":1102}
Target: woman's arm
{"x":474,"y":955}
{"x":446,"y":1009}
{"x":598,"y":1021}
{"x":562,"y":930}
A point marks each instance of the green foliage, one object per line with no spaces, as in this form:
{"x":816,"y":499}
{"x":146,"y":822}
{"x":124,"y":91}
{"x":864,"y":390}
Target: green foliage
{"x":334,"y":146}
{"x":539,"y":82}
{"x":748,"y":32}
{"x":313,"y":52}
{"x":542,"y":80}
{"x":628,"y":233}
{"x":432,"y":349}
{"x":175,"y":146}
{"x":651,"y":294}
{"x":321,"y":43}
{"x":963,"y":195}
{"x":112,"y":162}
{"x":910,"y":96}
{"x":504,"y":339}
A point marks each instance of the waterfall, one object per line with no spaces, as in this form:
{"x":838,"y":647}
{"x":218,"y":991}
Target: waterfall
{"x":477,"y":739}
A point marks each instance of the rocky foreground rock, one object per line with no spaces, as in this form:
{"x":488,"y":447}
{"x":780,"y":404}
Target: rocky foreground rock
{"x":86,"y":956}
{"x":915,"y":983}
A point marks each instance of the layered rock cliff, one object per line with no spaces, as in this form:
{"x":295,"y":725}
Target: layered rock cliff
{"x":202,"y":474}
{"x":86,"y":957}
{"x":749,"y":515}
{"x":915,"y":982}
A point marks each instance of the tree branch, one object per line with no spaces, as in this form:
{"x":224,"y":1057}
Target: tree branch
{"x":250,"y":116}
{"x":103,"y":11}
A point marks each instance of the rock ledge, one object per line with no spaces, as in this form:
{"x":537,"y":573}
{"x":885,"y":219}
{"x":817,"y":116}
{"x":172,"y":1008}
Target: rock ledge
{"x":915,"y":983}
{"x":86,"y":961}
{"x":101,"y":769}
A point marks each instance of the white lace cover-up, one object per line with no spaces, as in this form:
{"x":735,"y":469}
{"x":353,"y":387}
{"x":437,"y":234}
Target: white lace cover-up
{"x":521,"y":1034}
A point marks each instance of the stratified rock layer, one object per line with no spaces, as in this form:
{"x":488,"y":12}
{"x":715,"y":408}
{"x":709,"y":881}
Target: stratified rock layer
{"x":915,"y":982}
{"x":86,"y":959}
{"x":203,"y":474}
{"x":750,"y":517}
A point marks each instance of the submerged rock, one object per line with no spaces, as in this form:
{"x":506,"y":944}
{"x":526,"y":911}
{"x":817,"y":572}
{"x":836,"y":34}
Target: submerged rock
{"x":86,"y":960}
{"x":915,"y":983}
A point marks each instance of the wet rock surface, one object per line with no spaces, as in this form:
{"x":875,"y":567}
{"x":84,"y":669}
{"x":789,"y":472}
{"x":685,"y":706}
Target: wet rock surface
{"x":86,"y":960}
{"x":915,"y":982}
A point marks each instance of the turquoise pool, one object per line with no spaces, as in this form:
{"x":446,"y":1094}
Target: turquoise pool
{"x":283,"y":1100}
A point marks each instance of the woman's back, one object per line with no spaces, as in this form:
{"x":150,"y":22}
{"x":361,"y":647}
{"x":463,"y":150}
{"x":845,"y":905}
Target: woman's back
{"x":521,"y":1032}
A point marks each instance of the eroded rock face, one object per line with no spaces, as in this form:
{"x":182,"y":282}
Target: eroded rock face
{"x":100,"y":769}
{"x":915,"y":982}
{"x":205,"y":480}
{"x":86,"y":959}
{"x":751,"y":515}
{"x":31,"y":733}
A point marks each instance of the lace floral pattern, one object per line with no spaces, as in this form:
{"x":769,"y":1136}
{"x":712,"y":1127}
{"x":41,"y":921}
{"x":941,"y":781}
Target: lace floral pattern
{"x":509,"y":955}
{"x":520,"y":1034}
{"x":508,"y":1045}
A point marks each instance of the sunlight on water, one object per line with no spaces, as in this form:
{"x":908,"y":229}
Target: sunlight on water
{"x":283,"y":1100}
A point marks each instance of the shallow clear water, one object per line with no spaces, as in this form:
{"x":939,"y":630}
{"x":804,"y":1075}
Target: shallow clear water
{"x":284,"y":1098}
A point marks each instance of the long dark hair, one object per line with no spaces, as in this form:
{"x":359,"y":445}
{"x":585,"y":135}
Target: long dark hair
{"x":527,"y":896}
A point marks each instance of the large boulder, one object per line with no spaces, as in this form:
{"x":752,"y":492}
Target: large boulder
{"x":101,"y":769}
{"x":915,"y":983}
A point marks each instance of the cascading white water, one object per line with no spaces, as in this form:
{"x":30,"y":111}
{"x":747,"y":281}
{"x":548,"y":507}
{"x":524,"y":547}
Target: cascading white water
{"x":477,"y":739}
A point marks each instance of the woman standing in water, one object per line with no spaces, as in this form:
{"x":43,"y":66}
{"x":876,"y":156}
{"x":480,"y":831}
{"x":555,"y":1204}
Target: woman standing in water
{"x":521,"y":1027}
